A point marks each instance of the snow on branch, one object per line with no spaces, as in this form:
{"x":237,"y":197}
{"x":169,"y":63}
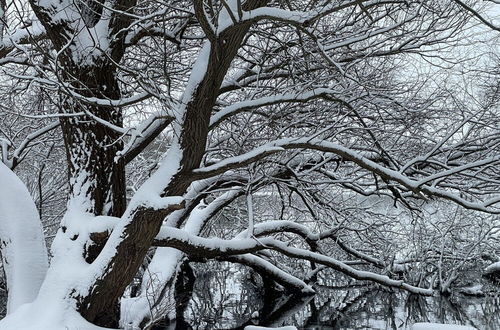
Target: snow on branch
{"x":239,"y":161}
{"x":279,"y":226}
{"x":302,"y":18}
{"x":33,"y":32}
{"x":270,"y":100}
{"x":126,"y":101}
{"x":19,"y":154}
{"x":144,"y":134}
{"x":278,"y":275}
{"x":418,"y":187}
{"x":216,"y":247}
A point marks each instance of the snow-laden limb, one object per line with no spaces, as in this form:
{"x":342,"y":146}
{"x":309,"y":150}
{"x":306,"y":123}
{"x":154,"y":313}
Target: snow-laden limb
{"x":149,"y":194}
{"x":239,"y":161}
{"x":491,"y":161}
{"x":473,"y":290}
{"x":361,"y":36}
{"x":290,"y":16}
{"x":195,"y":190}
{"x":247,"y":105}
{"x":417,"y":187}
{"x":246,"y":78}
{"x":107,"y":102}
{"x":70,"y":276}
{"x":270,"y":227}
{"x":115,"y":266}
{"x":146,"y":26}
{"x":279,"y":226}
{"x":34,"y":31}
{"x":144,"y":134}
{"x":278,"y":275}
{"x":23,"y":250}
{"x":154,"y":299}
{"x":19,"y":154}
{"x":214,"y":247}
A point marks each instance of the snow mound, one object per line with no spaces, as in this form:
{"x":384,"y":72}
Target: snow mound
{"x":23,"y":250}
{"x":35,"y":316}
{"x":437,"y":326}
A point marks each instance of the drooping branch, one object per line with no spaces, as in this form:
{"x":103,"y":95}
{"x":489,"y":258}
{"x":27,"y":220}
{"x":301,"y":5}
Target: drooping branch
{"x":417,"y":186}
{"x":262,"y":266}
{"x":284,"y":226}
{"x":215,"y":247}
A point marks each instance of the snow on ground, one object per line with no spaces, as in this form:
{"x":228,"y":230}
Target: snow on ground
{"x":42,"y":316}
{"x":437,"y":326}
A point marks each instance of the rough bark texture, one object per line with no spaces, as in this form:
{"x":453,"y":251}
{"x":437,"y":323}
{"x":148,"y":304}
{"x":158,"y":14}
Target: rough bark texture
{"x":146,"y":223}
{"x":96,"y":180}
{"x":92,"y":147}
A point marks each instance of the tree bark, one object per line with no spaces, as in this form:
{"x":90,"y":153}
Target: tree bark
{"x":146,"y":223}
{"x":91,"y":147}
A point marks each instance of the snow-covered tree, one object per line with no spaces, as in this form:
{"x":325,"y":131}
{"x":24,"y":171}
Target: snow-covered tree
{"x":296,"y":117}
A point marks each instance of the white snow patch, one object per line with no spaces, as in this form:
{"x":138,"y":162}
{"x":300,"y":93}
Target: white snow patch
{"x":475,"y":290}
{"x":40,"y":316}
{"x":24,"y":254}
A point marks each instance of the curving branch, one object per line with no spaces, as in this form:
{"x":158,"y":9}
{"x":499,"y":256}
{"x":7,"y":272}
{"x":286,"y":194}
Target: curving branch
{"x":418,"y":187}
{"x":215,"y":247}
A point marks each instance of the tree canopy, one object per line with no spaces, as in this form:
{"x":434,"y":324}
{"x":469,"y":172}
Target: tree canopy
{"x":326,"y":132}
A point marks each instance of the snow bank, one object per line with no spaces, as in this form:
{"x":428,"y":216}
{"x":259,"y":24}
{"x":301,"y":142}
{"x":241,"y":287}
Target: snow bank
{"x":437,"y":326}
{"x":40,"y":316}
{"x":24,"y":254}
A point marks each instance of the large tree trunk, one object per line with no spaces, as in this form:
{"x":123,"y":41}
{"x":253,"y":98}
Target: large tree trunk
{"x":96,"y":180}
{"x":145,"y":223}
{"x":96,"y":174}
{"x":91,"y":146}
